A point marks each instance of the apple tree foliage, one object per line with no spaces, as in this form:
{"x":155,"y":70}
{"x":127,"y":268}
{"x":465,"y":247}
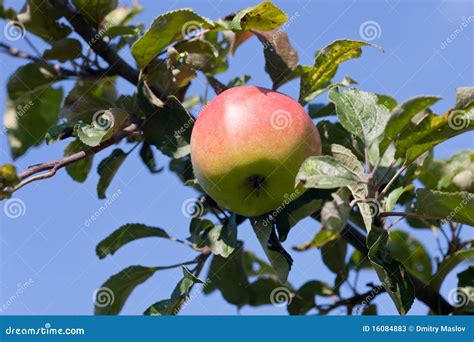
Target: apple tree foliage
{"x":377,"y":166}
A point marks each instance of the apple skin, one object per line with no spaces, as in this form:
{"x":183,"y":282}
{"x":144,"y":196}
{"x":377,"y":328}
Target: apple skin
{"x":247,"y":146}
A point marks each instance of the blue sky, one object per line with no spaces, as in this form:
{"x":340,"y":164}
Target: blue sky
{"x":51,"y":244}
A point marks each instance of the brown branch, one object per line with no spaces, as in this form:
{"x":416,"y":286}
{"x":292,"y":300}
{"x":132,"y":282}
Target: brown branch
{"x":116,"y":64}
{"x":33,"y":173}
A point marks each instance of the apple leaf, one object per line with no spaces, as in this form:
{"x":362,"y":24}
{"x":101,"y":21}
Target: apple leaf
{"x":320,"y":110}
{"x":280,"y":260}
{"x":411,"y":253}
{"x":230,"y":278}
{"x":317,"y":77}
{"x":335,"y":213}
{"x":104,"y":124}
{"x":303,"y":206}
{"x":333,"y":254}
{"x":322,"y":237}
{"x":391,"y":272}
{"x":360,"y":113}
{"x":303,"y":301}
{"x":324,"y":172}
{"x":87,"y":97}
{"x":401,"y":116}
{"x":166,"y":29}
{"x":112,"y":295}
{"x":264,"y":16}
{"x":128,"y":233}
{"x":169,"y":128}
{"x":223,"y":238}
{"x":42,"y":19}
{"x":148,"y":158}
{"x":80,"y":169}
{"x":333,"y":133}
{"x":64,"y":50}
{"x":107,"y":170}
{"x":450,"y":206}
{"x":281,"y":58}
{"x":94,"y":11}
{"x":448,"y":264}
{"x":180,"y":295}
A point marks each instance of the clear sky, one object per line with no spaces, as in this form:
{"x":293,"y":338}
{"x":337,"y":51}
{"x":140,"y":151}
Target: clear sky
{"x":51,"y":244}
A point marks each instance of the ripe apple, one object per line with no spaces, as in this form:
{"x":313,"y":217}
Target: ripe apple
{"x":247,"y":146}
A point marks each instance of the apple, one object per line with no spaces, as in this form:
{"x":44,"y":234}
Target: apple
{"x":247,"y":146}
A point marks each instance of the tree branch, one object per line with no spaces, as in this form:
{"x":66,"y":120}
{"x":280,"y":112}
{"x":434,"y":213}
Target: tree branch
{"x":423,"y":292}
{"x":116,"y":64}
{"x":33,"y":173}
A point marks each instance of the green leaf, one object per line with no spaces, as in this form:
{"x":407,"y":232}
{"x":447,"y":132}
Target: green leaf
{"x":179,"y":296}
{"x":335,"y":213}
{"x":360,"y":113}
{"x":148,"y":158}
{"x":422,"y":135}
{"x":280,"y":260}
{"x":317,"y":77}
{"x":320,"y":110}
{"x":449,"y":206}
{"x":402,"y":115}
{"x":41,"y":18}
{"x":321,"y":238}
{"x":411,"y":253}
{"x":265,"y":17}
{"x":394,"y":196}
{"x":290,"y":214}
{"x":54,"y":134}
{"x":333,"y":133}
{"x":281,"y":58}
{"x":230,"y":278}
{"x":64,"y":50}
{"x":112,"y":295}
{"x":324,"y":172}
{"x":223,"y":238}
{"x":169,"y":128}
{"x":128,"y":233}
{"x":254,"y":266}
{"x":32,"y":107}
{"x":202,"y":54}
{"x":87,"y":97}
{"x":391,"y":272}
{"x":105,"y":123}
{"x":448,"y":264}
{"x":166,"y":29}
{"x":303,"y":299}
{"x":107,"y":170}
{"x":333,"y":254}
{"x":94,"y":11}
{"x":79,"y":169}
